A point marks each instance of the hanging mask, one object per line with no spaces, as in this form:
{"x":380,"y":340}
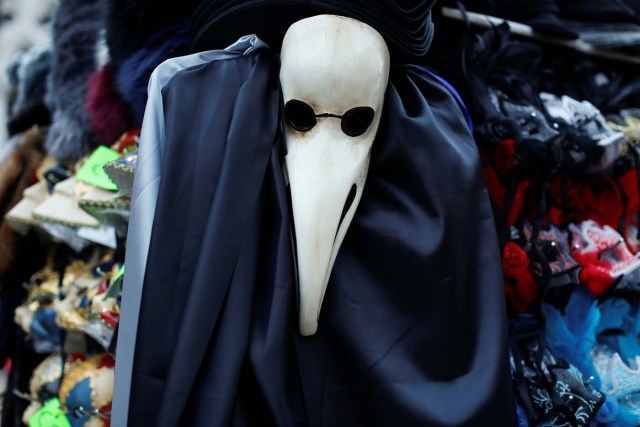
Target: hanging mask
{"x":526,"y":120}
{"x":553,"y":246}
{"x":591,"y":142}
{"x":608,"y":244}
{"x":334,"y":75}
{"x":45,"y":381}
{"x":44,"y":384}
{"x":37,"y":316}
{"x":86,"y":392}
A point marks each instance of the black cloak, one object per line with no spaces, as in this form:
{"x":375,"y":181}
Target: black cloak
{"x":413,"y":327}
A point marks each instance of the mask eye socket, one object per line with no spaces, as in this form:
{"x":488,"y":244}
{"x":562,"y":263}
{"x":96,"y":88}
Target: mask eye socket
{"x":300,"y":116}
{"x":356,"y":121}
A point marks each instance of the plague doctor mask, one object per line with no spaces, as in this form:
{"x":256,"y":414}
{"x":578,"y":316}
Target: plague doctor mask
{"x":334,"y":74}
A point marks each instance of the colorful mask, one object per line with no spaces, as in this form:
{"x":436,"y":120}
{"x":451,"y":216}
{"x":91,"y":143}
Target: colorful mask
{"x":87,"y":392}
{"x":45,"y":381}
{"x":72,"y":311}
{"x":586,"y":123}
{"x":608,"y":244}
{"x":44,"y":384}
{"x":530,"y":122}
{"x":37,"y":317}
{"x":334,"y":75}
{"x":553,"y":244}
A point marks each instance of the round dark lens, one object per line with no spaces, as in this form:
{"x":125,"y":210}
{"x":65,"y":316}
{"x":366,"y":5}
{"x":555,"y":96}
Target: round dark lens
{"x":356,"y":121}
{"x":300,"y":116}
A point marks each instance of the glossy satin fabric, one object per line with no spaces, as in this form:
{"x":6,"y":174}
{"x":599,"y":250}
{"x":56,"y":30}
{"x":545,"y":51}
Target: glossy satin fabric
{"x":412,"y":330}
{"x":144,"y":198}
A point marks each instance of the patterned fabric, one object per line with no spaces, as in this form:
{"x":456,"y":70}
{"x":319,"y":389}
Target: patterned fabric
{"x":559,"y":395}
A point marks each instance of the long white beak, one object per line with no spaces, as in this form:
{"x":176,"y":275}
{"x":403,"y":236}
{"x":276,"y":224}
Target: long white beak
{"x":327,"y":178}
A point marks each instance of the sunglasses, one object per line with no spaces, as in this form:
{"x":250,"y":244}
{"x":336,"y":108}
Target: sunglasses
{"x":301,"y":117}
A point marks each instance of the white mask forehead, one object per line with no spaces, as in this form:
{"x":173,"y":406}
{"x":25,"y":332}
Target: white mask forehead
{"x":334,"y":64}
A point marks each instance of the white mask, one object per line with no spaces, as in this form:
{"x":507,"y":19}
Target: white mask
{"x":334,"y":75}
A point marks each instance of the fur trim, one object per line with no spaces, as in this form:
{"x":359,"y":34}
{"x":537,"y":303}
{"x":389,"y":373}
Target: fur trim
{"x":12,"y":70}
{"x":107,"y":113}
{"x":28,"y":74}
{"x":134,"y":74}
{"x":76,"y":28}
{"x":27,"y":27}
{"x":32,"y":74}
{"x":67,"y":141}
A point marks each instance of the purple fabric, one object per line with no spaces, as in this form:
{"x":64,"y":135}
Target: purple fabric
{"x":456,"y":95}
{"x":107,"y":113}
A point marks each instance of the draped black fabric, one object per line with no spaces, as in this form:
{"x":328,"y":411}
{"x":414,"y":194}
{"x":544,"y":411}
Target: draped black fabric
{"x":219,"y":252}
{"x":405,"y":24}
{"x":412,"y":330}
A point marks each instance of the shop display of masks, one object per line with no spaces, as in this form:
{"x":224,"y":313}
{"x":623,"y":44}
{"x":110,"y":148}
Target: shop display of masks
{"x":562,"y":169}
{"x":558,"y":136}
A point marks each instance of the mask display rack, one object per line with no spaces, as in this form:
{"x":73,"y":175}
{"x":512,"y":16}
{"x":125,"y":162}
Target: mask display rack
{"x":330,"y":213}
{"x":556,"y":123}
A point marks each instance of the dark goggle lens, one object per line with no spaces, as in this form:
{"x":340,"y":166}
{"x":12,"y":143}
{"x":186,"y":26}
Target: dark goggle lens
{"x":300,"y":116}
{"x":355,"y":122}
